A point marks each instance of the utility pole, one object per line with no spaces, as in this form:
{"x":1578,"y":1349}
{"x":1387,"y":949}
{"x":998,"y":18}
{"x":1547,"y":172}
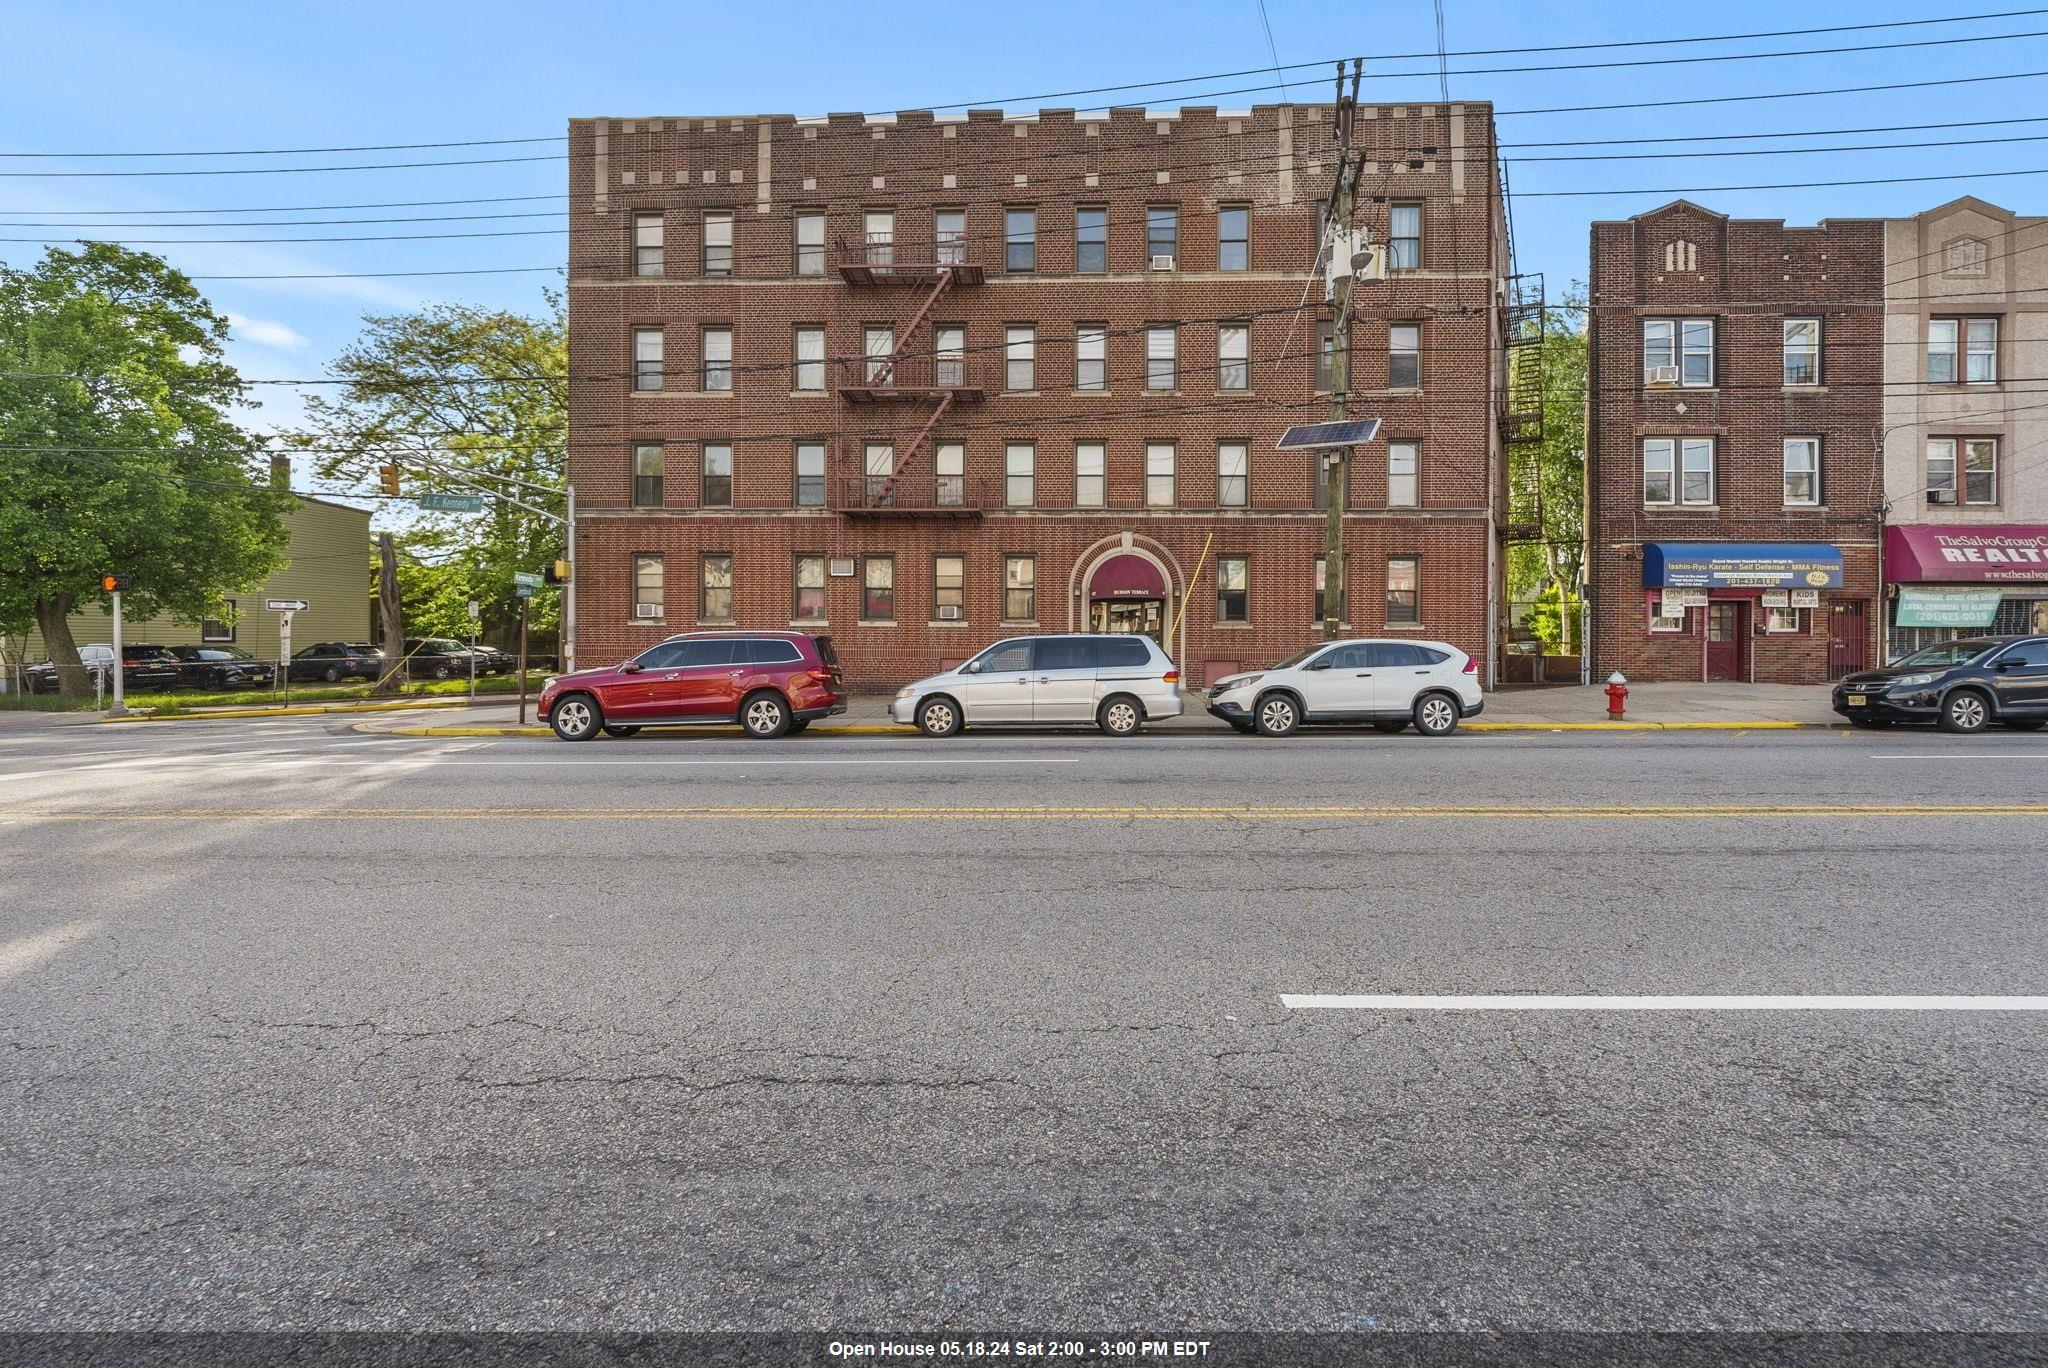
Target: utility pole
{"x":568,"y":652}
{"x":1337,"y":221}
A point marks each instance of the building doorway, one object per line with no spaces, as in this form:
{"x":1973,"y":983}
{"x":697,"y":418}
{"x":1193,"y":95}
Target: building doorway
{"x":1127,"y":593}
{"x":1727,"y":644}
{"x":1129,"y":615}
{"x":1848,"y":638}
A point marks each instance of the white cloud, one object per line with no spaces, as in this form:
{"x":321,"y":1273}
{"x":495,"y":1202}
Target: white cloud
{"x":263,"y":332}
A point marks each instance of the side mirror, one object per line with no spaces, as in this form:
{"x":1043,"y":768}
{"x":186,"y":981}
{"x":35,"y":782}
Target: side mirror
{"x":2007,"y":664}
{"x":631,"y":667}
{"x":971,"y":667}
{"x":1322,"y":664}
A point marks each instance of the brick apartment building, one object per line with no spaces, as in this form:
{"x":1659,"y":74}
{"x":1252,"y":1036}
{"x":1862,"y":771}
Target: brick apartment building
{"x":921,"y":382}
{"x":1734,"y":481}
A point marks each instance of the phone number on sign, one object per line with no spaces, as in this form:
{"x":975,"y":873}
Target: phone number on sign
{"x":999,"y":1347}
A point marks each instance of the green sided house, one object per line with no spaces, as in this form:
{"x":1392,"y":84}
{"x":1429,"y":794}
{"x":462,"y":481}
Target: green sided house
{"x":327,"y":563}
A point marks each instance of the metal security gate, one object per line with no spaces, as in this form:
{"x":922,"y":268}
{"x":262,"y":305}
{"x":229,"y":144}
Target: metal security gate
{"x":1848,"y":637}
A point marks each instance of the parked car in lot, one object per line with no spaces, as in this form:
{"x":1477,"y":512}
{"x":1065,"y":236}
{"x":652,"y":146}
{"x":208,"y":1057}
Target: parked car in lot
{"x":435,"y":658}
{"x":142,"y":667}
{"x":1114,"y":681}
{"x":1962,"y":686}
{"x":771,"y":683}
{"x":221,"y":667}
{"x":334,"y":661}
{"x":492,"y":661}
{"x":1430,"y":685}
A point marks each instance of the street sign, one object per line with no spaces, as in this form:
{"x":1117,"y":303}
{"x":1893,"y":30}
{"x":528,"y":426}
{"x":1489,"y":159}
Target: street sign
{"x":452,"y":503}
{"x":524,"y":591}
{"x":285,"y":605}
{"x":1303,"y":436}
{"x":476,"y":610}
{"x":520,"y":577}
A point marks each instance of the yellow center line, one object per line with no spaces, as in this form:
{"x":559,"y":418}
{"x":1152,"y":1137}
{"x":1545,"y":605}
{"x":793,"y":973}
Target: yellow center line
{"x":1192,"y":813}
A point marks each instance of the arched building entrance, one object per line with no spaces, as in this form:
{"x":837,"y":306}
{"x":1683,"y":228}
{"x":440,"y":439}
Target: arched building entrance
{"x":1123,"y":586}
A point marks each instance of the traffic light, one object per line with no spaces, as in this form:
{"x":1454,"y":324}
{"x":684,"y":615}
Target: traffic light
{"x":558,"y":573}
{"x":388,"y":476}
{"x":114,"y":584}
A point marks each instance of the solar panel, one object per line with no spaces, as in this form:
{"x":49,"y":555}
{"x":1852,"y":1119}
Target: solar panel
{"x":1306,"y":435}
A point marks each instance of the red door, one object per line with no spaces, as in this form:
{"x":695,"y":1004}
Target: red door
{"x":1848,"y":638}
{"x":1728,"y":641}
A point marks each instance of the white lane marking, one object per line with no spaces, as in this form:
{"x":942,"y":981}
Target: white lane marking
{"x":1590,"y":1002}
{"x":24,"y":953}
{"x":418,"y":761}
{"x":1967,"y":758}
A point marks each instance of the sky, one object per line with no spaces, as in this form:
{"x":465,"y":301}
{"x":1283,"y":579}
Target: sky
{"x":149,"y":77}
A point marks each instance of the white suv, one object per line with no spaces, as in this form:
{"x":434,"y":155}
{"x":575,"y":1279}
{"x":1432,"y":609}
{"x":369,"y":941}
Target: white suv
{"x":1387,"y":683}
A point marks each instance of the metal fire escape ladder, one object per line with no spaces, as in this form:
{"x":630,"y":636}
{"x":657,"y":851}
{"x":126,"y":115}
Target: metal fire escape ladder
{"x":902,"y":344}
{"x":1521,"y":417}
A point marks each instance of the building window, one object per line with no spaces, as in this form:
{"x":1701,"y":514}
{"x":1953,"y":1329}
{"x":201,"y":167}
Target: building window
{"x":1975,"y":339}
{"x":1233,"y":482}
{"x":881,"y":469}
{"x":1322,"y":583}
{"x":949,"y":232}
{"x":647,"y":475}
{"x":714,"y":593}
{"x":1020,"y":589}
{"x":1402,"y":462}
{"x":222,"y":626}
{"x":1159,"y":474}
{"x":1091,"y":356}
{"x":718,"y":242}
{"x":1678,"y":351}
{"x":949,"y":588}
{"x":646,"y":358}
{"x":1321,"y":493}
{"x":949,"y":356}
{"x":1689,"y":481}
{"x":807,"y":589}
{"x":810,"y":243}
{"x":1784,"y":620}
{"x":1162,"y":235}
{"x":1802,"y":351}
{"x":647,"y":245}
{"x":949,"y":464}
{"x":1802,"y":470}
{"x":1326,"y":354}
{"x":878,"y":588}
{"x":1091,"y":240}
{"x":1161,"y":367}
{"x":878,"y":345}
{"x":718,"y":358}
{"x":1088,"y":475}
{"x":1233,"y":589}
{"x":1404,"y":592}
{"x":809,"y":370}
{"x":1020,"y":460}
{"x":1979,"y":473}
{"x":881,"y":236}
{"x":1660,"y":621}
{"x":1404,"y":356}
{"x":647,"y":592}
{"x":1233,"y":238}
{"x":1404,"y":238}
{"x":1020,"y":358}
{"x":1020,"y":239}
{"x":810,"y":474}
{"x":1234,"y":356}
{"x":717,"y":485}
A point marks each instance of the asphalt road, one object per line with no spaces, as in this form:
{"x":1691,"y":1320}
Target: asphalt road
{"x":306,"y":1029}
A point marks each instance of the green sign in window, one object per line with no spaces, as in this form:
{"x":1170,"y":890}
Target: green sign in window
{"x":1948,"y":606}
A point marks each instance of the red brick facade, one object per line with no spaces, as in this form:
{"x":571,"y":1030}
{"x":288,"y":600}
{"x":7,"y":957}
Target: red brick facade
{"x":1273,"y":161}
{"x":1747,"y":278}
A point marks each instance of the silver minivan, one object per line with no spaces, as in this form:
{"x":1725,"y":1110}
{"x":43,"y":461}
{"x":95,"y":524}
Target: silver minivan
{"x":1117,"y":682}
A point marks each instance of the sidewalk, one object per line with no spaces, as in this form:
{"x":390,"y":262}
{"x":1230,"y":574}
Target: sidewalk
{"x":1516,"y":708}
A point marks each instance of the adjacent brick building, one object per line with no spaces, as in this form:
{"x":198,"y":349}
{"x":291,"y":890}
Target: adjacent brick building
{"x":925,"y":381}
{"x":1734,"y":477}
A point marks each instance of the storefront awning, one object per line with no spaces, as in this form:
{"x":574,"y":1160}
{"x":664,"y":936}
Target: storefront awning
{"x":1741,"y":565}
{"x":1975,"y":554}
{"x":1127,"y":577}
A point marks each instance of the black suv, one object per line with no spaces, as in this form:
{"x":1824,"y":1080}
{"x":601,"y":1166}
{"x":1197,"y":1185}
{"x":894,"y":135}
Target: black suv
{"x":435,"y":658}
{"x":337,"y":660}
{"x":220,"y":667}
{"x":1963,"y":685}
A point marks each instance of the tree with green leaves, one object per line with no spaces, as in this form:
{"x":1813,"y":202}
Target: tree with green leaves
{"x":1550,"y":569}
{"x":118,"y":454}
{"x":463,"y":399}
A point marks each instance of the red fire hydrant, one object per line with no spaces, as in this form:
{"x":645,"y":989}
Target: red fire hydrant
{"x":1617,"y":696}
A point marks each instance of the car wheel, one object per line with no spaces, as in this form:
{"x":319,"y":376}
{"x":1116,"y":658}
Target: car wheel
{"x":765,"y":716}
{"x":332,"y":674}
{"x":442,"y":672}
{"x":1391,"y":726}
{"x":576,"y":718}
{"x":938,"y":716}
{"x":1120,"y":715}
{"x":1278,"y":715}
{"x":2027,"y":724}
{"x":1965,"y":711}
{"x":620,"y":733}
{"x":1435,"y":715}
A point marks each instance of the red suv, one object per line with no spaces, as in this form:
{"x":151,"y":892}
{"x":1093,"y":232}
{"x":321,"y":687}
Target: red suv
{"x":771,"y":683}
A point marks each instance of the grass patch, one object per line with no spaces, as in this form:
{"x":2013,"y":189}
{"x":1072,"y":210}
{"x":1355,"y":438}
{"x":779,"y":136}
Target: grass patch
{"x":172,"y":702}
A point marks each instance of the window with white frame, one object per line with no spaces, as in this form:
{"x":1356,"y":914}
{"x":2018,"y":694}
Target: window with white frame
{"x":809,"y":367}
{"x":717,"y":357}
{"x":1404,"y":356}
{"x":714,"y":600}
{"x":1091,"y":356}
{"x":1780,"y":620}
{"x":881,"y":236}
{"x":949,"y":228}
{"x":1088,"y":474}
{"x":1020,"y":474}
{"x":878,"y":588}
{"x":1233,"y":483}
{"x":1233,"y":238}
{"x":1962,"y":470}
{"x":1326,"y":354}
{"x":1404,"y":237}
{"x":1020,"y":357}
{"x":1664,"y":618}
{"x":1678,"y":351}
{"x":1404,"y":590}
{"x":1234,"y":356}
{"x":1678,"y":471}
{"x":949,"y":464}
{"x":1802,"y":471}
{"x":1233,"y":588}
{"x":1020,"y":588}
{"x":1402,"y":461}
{"x":1159,"y":474}
{"x":807,"y":589}
{"x":810,"y":474}
{"x":878,"y":346}
{"x":1962,"y":349}
{"x":647,"y":244}
{"x":717,"y":481}
{"x":949,"y":356}
{"x":1020,"y":239}
{"x":221,"y":626}
{"x":647,"y":586}
{"x":647,"y":349}
{"x":949,"y":588}
{"x":879,"y":466}
{"x":1980,"y":351}
{"x":1091,"y":240}
{"x":1162,"y":233}
{"x":1161,"y":352}
{"x":810,"y":243}
{"x":647,"y":475}
{"x":718,"y":242}
{"x":1802,"y":351}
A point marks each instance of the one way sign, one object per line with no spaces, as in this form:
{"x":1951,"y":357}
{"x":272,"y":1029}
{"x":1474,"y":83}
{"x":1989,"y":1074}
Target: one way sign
{"x":286,"y":605}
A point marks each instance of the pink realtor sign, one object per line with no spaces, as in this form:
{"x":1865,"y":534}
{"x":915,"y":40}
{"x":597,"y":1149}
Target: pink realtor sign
{"x":1981,"y":553}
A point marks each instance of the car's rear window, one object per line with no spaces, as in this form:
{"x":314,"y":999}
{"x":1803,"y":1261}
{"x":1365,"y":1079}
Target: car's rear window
{"x":766,"y":651}
{"x":1122,"y":655}
{"x":825,"y":651}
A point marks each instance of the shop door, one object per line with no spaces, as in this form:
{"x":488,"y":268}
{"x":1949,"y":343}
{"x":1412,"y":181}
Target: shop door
{"x":1130,"y":616}
{"x":1728,"y":641}
{"x":1848,"y":638}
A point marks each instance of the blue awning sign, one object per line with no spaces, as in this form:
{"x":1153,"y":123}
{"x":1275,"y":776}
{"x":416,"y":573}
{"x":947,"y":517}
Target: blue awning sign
{"x":1741,"y":565}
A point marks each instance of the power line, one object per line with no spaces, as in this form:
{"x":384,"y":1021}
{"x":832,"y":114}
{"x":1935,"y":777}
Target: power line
{"x":1771,"y":95}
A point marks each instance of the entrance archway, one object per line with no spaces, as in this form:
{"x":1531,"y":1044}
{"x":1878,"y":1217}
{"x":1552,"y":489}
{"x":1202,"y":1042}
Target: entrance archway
{"x":1122,"y":586}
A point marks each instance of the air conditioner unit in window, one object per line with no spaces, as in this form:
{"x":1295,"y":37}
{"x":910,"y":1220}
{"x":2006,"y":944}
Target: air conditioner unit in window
{"x":1661,"y":377}
{"x":1941,"y":496}
{"x":842,"y":568}
{"x":1163,"y":262}
{"x":949,"y":612}
{"x":646,"y":610}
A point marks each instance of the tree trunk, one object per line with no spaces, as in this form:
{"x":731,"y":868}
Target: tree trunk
{"x":387,"y":611}
{"x":53,"y":619}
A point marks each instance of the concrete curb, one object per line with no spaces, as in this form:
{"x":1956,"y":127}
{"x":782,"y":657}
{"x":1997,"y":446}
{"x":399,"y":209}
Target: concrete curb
{"x":680,"y":733}
{"x":310,"y":711}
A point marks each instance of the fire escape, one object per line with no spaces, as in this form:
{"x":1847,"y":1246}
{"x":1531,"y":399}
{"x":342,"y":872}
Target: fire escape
{"x":879,"y":473}
{"x":1521,"y":416}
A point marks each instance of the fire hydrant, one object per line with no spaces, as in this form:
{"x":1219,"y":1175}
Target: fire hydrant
{"x":1617,"y":696}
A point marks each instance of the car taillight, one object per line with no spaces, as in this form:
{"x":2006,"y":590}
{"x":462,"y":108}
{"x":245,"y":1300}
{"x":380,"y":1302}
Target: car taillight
{"x":822,"y":676}
{"x":1471,"y":665}
{"x":1170,"y":677}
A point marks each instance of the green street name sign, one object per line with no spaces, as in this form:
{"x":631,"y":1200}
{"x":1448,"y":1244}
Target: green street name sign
{"x":1948,"y":606}
{"x":452,"y":503}
{"x":521,"y":578}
